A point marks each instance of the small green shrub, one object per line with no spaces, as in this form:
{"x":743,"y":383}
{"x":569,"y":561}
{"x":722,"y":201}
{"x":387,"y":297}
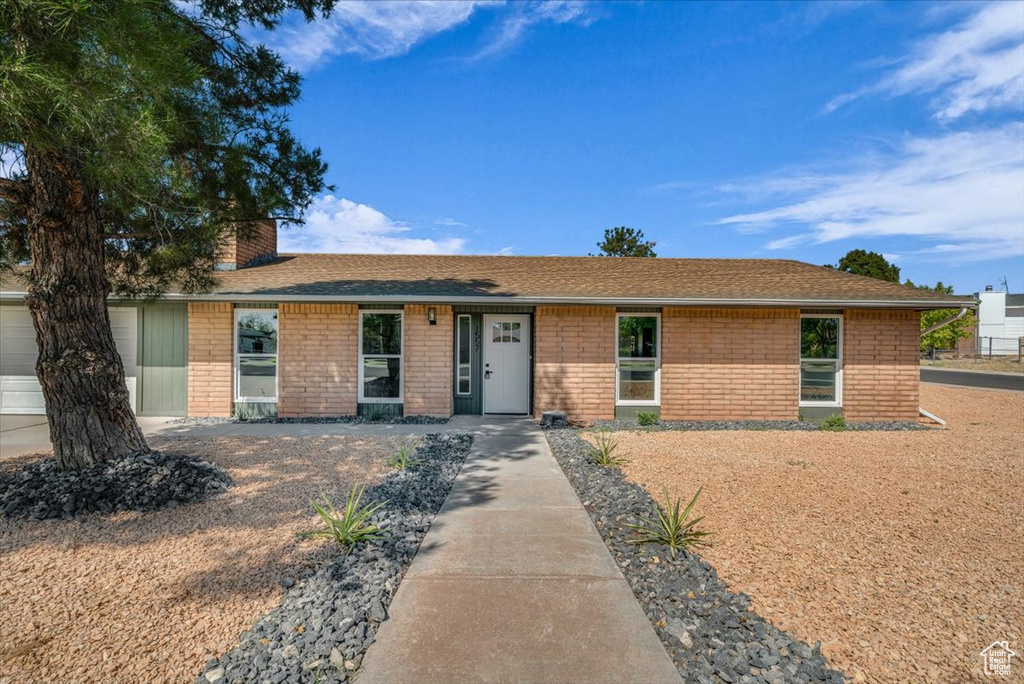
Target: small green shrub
{"x":834,"y":423}
{"x":376,"y":414}
{"x":404,"y":458}
{"x":672,"y":527}
{"x":347,"y":527}
{"x":602,"y":452}
{"x":647,"y":418}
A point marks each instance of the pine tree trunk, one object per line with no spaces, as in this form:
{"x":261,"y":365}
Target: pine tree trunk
{"x":87,"y":402}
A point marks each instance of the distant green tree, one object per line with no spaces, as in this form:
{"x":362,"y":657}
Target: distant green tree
{"x":870,"y":264}
{"x":626,"y":242}
{"x":945,"y":337}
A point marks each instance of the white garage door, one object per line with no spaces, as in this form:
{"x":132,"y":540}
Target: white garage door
{"x":19,"y":388}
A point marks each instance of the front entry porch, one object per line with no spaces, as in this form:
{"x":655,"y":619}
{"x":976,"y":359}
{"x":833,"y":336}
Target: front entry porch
{"x":493,"y":362}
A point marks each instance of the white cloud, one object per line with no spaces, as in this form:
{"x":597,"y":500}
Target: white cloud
{"x":374,"y":29}
{"x":338,"y":225}
{"x":450,"y":223}
{"x":976,"y":66}
{"x":958,"y":195}
{"x":524,"y":15}
{"x":370,"y":29}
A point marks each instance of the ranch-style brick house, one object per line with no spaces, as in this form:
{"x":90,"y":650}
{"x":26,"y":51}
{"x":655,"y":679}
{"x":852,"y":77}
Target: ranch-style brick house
{"x":597,"y":337}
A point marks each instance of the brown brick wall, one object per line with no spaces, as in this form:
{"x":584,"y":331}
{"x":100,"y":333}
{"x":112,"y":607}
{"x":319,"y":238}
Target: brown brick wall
{"x":574,"y":369}
{"x":717,"y":364}
{"x":318,"y":356}
{"x":210,"y":358}
{"x":257,"y":245}
{"x":881,"y":374}
{"x":730,"y":364}
{"x":428,"y":361}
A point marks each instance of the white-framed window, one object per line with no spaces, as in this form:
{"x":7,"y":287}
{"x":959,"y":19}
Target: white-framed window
{"x":256,"y":355}
{"x":463,"y":355}
{"x":380,"y":356}
{"x":821,"y":360}
{"x":638,"y":359}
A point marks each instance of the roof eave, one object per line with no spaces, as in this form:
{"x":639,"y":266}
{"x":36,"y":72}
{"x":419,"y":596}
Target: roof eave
{"x":593,"y":301}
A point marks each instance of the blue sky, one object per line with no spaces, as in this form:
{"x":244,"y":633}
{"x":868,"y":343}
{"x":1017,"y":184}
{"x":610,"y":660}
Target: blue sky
{"x":783,"y":130}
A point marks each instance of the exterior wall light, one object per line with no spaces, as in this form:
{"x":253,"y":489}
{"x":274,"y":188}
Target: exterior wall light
{"x":432,"y":315}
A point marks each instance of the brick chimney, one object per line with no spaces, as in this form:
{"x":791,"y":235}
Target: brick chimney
{"x":257,"y":244}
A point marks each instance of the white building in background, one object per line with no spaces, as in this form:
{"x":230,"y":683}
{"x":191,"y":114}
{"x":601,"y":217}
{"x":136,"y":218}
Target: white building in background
{"x":1000,"y":322}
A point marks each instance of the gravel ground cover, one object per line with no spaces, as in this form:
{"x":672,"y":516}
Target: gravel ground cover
{"x":753,"y":425}
{"x":1000,"y":364}
{"x":710,"y":632}
{"x":150,"y":597}
{"x":329,"y":617}
{"x":147,"y":483}
{"x":900,"y":551}
{"x":354,"y":420}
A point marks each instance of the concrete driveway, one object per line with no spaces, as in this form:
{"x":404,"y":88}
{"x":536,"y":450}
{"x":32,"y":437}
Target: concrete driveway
{"x":31,"y":434}
{"x":972,"y":378}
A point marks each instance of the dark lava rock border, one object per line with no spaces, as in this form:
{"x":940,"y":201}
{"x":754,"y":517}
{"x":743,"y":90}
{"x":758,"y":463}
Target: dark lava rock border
{"x":151,"y":482}
{"x":754,"y":425}
{"x":354,"y":420}
{"x":710,"y":632}
{"x":329,"y":617}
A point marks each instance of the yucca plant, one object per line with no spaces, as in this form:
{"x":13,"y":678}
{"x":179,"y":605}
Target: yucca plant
{"x":404,"y":458}
{"x":601,"y":452}
{"x":671,"y":527}
{"x":347,"y":527}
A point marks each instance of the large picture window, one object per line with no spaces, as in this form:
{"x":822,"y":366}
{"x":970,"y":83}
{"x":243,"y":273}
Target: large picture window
{"x":821,"y":367}
{"x":464,"y":350}
{"x":638,"y":376}
{"x":256,"y":355}
{"x":380,"y":356}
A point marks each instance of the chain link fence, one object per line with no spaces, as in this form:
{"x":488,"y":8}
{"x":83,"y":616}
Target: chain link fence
{"x":983,"y":348}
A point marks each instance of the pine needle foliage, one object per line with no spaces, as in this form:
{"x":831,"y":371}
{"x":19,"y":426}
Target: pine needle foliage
{"x":172,"y":120}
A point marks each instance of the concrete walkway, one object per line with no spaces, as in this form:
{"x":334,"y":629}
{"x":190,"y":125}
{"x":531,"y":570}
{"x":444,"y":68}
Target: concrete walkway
{"x":513,"y":583}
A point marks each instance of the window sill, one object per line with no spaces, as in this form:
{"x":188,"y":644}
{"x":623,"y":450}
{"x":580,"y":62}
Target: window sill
{"x":821,"y":404}
{"x":378,"y":400}
{"x":255,"y":400}
{"x":627,"y":404}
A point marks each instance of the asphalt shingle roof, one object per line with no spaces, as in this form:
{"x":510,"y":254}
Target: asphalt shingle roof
{"x":352,"y":276}
{"x":529,"y":279}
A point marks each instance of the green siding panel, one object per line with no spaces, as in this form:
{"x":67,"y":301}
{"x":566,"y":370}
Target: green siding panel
{"x":473,"y":404}
{"x":248,"y":410}
{"x":376,"y":411}
{"x":629,"y":412}
{"x":163,"y":360}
